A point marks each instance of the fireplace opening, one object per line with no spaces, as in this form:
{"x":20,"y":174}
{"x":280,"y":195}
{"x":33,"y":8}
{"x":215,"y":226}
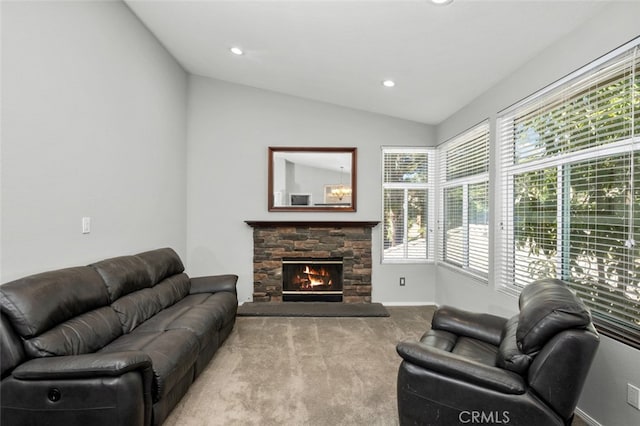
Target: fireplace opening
{"x":309,"y":280}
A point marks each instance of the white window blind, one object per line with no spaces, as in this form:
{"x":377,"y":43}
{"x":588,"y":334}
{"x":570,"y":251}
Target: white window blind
{"x":407,"y":189}
{"x":464,"y":207}
{"x":570,"y":169}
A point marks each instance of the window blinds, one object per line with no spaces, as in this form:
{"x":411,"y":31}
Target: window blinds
{"x":407,"y":185}
{"x":571,"y":189}
{"x":464,"y":207}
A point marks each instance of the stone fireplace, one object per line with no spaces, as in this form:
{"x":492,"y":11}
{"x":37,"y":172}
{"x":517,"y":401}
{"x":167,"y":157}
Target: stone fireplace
{"x":321,"y":244}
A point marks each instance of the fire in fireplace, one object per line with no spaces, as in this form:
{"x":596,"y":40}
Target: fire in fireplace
{"x":312,"y":279}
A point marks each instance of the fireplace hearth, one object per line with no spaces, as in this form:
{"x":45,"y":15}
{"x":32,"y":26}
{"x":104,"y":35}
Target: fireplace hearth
{"x":305,"y":280}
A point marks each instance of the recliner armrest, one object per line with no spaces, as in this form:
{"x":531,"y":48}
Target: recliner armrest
{"x":485,"y":327}
{"x":83,"y":366}
{"x":461,"y":368}
{"x":214,"y":284}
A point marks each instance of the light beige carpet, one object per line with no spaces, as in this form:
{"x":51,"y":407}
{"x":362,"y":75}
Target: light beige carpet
{"x":304,"y":371}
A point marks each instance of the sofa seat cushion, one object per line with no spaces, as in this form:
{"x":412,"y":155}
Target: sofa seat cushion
{"x":477,"y":350}
{"x":204,"y":324}
{"x":203,"y":314}
{"x":173,"y":354}
{"x":223,"y":304}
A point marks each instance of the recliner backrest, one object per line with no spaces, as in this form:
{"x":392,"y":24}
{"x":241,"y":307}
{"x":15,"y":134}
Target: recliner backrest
{"x":554,"y":329}
{"x":547,"y":307}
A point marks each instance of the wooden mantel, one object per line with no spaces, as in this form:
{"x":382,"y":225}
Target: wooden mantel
{"x":315,"y":224}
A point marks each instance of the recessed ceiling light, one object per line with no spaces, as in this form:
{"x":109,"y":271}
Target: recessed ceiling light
{"x":236,"y":51}
{"x":441,"y":1}
{"x":388,"y":83}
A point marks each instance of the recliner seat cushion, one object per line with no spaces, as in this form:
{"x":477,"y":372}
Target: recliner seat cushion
{"x":223,"y":304}
{"x":439,"y":339}
{"x":173,"y":354}
{"x":547,"y":307}
{"x":197,"y":313}
{"x":477,"y":350}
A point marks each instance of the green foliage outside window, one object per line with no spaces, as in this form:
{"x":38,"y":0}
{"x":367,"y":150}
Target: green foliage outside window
{"x":579,"y":219}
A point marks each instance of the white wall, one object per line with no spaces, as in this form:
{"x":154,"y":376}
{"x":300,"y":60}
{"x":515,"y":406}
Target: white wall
{"x":604,"y":396}
{"x":230,"y":129}
{"x":93,"y":124}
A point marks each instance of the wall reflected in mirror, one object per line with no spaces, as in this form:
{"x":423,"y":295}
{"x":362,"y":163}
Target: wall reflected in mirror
{"x":312,"y":179}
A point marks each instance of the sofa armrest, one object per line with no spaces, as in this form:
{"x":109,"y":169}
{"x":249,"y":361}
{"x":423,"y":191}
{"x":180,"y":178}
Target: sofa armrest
{"x":83,"y":366}
{"x":461,"y":368}
{"x":100,"y":389}
{"x":485,"y":327}
{"x":214,"y":284}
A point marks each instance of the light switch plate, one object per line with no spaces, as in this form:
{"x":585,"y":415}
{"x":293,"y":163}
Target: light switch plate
{"x":633,"y":395}
{"x":86,"y":225}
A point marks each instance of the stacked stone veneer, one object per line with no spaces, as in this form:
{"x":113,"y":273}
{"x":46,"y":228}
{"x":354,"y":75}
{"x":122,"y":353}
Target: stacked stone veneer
{"x":272,"y":243}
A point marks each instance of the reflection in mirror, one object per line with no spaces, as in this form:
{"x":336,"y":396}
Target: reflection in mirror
{"x":312,"y":179}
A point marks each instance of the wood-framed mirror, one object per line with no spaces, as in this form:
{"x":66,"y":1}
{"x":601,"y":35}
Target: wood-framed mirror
{"x":306,"y":179}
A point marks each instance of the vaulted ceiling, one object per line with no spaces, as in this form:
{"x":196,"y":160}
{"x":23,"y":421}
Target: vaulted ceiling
{"x":440,"y":57}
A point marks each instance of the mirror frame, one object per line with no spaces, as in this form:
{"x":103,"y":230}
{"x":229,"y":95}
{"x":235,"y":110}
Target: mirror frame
{"x":338,"y":150}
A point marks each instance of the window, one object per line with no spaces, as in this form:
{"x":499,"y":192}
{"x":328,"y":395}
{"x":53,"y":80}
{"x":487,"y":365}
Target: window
{"x":464,"y":207}
{"x":407,"y":188}
{"x":570,"y":170}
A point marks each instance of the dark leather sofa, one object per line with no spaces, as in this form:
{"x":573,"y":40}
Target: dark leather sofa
{"x":117,"y":342}
{"x":472,"y":368}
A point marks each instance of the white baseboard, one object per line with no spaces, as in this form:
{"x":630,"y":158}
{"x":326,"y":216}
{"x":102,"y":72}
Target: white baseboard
{"x":240,"y":302}
{"x":587,"y":418}
{"x":409,"y":303}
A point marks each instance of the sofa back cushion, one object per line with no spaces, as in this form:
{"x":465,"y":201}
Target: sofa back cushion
{"x":161,"y":263}
{"x":547,"y":307}
{"x":11,"y":350}
{"x":37,"y":303}
{"x":123,"y":275}
{"x":140,"y":286}
{"x":83,"y":334}
{"x":172,"y":289}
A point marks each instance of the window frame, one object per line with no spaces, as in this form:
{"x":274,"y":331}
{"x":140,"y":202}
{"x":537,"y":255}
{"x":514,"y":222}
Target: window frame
{"x":480,"y":132}
{"x":428,"y":187}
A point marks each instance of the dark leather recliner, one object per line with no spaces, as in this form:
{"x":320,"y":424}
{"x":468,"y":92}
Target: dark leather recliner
{"x":472,"y":368}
